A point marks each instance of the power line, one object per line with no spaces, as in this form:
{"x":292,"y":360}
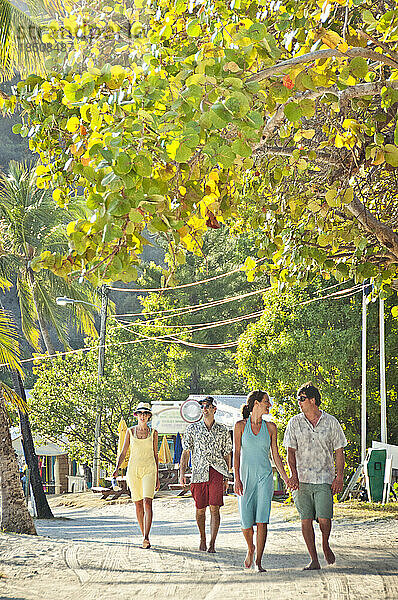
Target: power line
{"x":183,"y":285}
{"x":174,"y":340}
{"x":192,"y":308}
{"x":335,"y":295}
{"x":197,"y":307}
{"x":201,"y":326}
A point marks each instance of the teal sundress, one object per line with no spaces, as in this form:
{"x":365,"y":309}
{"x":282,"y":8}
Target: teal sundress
{"x":256,"y":476}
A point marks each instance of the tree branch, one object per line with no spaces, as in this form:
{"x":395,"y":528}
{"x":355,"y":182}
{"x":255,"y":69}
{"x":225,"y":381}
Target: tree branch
{"x":385,"y":235}
{"x":322,"y":55}
{"x":379,"y":44}
{"x":355,"y":91}
{"x":322,"y":157}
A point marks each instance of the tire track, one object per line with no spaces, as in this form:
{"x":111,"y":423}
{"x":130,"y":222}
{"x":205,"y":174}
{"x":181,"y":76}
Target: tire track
{"x":70,"y":554}
{"x":336,"y":584}
{"x":390,"y":584}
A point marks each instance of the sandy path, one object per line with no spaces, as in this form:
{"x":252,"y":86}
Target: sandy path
{"x":90,"y":554}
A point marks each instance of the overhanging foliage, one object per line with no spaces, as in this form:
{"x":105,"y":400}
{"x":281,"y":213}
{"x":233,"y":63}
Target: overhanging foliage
{"x":178,"y":116}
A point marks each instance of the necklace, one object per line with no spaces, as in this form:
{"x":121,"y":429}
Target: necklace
{"x":141,"y":434}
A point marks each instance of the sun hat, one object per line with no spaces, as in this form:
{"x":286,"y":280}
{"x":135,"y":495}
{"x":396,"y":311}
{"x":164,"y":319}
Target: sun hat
{"x":143,"y":407}
{"x":208,"y":399}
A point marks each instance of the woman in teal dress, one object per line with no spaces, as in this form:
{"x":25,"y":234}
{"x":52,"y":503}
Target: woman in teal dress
{"x":253,"y":439}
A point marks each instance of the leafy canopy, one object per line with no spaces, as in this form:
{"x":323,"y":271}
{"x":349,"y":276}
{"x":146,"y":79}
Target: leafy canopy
{"x":179,"y":116}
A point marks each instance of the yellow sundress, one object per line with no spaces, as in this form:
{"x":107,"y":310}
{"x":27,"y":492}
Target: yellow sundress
{"x":141,"y":470}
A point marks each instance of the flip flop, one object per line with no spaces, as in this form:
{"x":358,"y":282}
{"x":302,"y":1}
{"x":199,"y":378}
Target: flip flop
{"x":146,"y":544}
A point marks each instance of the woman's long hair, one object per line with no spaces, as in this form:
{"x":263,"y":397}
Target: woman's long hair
{"x":256,"y":395}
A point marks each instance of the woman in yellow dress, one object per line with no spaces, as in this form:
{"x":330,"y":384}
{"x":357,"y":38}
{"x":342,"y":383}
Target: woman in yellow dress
{"x":142,"y":471}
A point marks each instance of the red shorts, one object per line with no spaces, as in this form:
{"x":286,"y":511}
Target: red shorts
{"x":209,"y":493}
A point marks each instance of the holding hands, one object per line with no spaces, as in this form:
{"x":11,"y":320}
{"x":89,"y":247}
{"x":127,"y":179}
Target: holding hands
{"x":292,"y":482}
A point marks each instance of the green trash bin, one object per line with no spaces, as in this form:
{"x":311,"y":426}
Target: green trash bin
{"x":375,"y":467}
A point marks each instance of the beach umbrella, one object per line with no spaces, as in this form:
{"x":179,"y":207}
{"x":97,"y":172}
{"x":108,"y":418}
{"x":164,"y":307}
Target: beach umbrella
{"x":164,"y":452}
{"x":122,"y":430}
{"x":177,"y":450}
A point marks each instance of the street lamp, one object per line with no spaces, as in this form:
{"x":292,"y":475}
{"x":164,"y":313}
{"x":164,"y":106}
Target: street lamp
{"x":64,"y":301}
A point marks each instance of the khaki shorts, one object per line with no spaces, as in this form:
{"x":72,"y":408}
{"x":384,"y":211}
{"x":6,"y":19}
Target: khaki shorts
{"x":314,"y":501}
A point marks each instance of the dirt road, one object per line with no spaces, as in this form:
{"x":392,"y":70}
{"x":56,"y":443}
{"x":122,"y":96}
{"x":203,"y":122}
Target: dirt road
{"x":95,"y":554}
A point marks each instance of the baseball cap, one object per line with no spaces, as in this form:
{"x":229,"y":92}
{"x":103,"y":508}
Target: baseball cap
{"x":208,"y":399}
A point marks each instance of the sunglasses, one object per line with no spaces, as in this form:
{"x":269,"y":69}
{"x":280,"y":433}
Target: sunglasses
{"x":143,"y":412}
{"x":302,"y":398}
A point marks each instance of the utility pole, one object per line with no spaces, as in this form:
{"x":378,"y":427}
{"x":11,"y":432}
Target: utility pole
{"x":363,"y":391}
{"x":383,"y":401}
{"x":101,"y":363}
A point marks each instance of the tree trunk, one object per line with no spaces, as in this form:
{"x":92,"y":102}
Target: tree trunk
{"x":42,"y":507}
{"x":45,"y":334}
{"x":14,"y":514}
{"x":195,"y":387}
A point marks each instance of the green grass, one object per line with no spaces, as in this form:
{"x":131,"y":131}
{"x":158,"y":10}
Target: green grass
{"x":353,"y":510}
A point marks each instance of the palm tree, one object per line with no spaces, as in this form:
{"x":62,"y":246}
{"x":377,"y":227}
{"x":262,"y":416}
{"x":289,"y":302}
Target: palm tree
{"x":14,"y":514}
{"x":32,"y":223}
{"x":20,"y":36}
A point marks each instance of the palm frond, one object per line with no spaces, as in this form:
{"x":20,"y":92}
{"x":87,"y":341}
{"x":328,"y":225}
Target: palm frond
{"x":55,"y":239}
{"x":5,"y":284}
{"x":85,"y":320}
{"x":35,"y":224}
{"x":9,"y":347}
{"x":11,"y":397}
{"x":50,"y":312}
{"x":20,"y":48}
{"x":28,"y":313}
{"x":47,"y":7}
{"x":83,"y":314}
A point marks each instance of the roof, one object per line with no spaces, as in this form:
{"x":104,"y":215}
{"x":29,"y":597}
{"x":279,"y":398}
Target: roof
{"x":43,"y":446}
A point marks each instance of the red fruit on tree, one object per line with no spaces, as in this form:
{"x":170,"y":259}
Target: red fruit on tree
{"x":212,"y":221}
{"x":287,"y":82}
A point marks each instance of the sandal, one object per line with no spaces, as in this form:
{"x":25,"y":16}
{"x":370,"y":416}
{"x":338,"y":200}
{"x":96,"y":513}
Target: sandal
{"x":146,"y":544}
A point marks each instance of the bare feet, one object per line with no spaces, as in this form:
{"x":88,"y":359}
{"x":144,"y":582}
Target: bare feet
{"x":146,"y":544}
{"x":211,"y":549}
{"x":249,"y":558}
{"x":329,"y":556}
{"x":202,"y":545}
{"x":260,"y":569}
{"x":313,"y":566}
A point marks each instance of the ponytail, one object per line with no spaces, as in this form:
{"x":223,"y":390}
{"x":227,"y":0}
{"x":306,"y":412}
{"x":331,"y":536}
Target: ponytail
{"x":256,"y":395}
{"x":245,"y":411}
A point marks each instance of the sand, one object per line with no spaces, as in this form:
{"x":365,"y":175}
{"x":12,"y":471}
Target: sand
{"x":93,"y":552}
